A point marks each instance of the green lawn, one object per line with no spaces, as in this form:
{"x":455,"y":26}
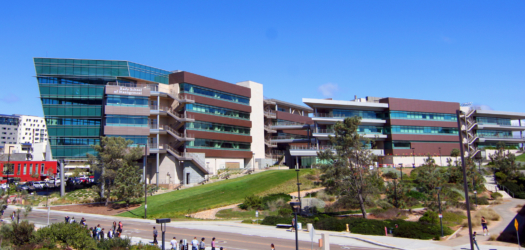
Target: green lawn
{"x":177,"y":204}
{"x":245,"y":214}
{"x":520,"y":157}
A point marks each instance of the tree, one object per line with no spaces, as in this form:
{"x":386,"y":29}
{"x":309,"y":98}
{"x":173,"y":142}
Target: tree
{"x":127,"y":183}
{"x":455,"y":153}
{"x":113,"y":154}
{"x":428,"y":178}
{"x":474,"y":177}
{"x":347,"y":172}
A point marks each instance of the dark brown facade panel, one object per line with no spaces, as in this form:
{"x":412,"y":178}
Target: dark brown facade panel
{"x":114,"y":130}
{"x":118,"y":110}
{"x":402,"y":122}
{"x":293,"y":117}
{"x":219,"y":136}
{"x":220,"y":119}
{"x":211,"y":83}
{"x":424,"y":149}
{"x":406,"y":137}
{"x":221,"y":153}
{"x":295,"y":132}
{"x":420,"y":105}
{"x":219,"y":103}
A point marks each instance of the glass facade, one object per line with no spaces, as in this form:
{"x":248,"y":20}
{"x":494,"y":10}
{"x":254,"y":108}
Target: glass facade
{"x":137,"y":139}
{"x":493,"y":121}
{"x":212,"y":110}
{"x":494,"y":145}
{"x":127,"y":101}
{"x":72,"y":94}
{"x":361,"y":113}
{"x":422,"y":116}
{"x":217,"y":127}
{"x":9,"y":120}
{"x":423,"y":130}
{"x":494,"y":134}
{"x":211,"y":93}
{"x":216,"y":144}
{"x":126,"y":121}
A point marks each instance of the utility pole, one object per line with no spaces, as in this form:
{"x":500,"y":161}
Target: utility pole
{"x":144,"y":163}
{"x":465,"y":187}
{"x":9,"y":169}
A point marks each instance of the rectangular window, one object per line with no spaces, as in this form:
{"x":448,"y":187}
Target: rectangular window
{"x":31,"y":169}
{"x":42,"y":168}
{"x":19,"y":165}
{"x":217,"y":127}
{"x":216,"y":144}
{"x":25,"y":169}
{"x":422,"y":130}
{"x":212,"y":110}
{"x":212,"y":93}
{"x":422,"y":116}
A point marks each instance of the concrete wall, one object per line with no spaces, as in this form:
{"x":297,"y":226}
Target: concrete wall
{"x":407,"y":161}
{"x":256,"y":117}
{"x":195,"y":174}
{"x":170,"y":171}
{"x":214,"y":164}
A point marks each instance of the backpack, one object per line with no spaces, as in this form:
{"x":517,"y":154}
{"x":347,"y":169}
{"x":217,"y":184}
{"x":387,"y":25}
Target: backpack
{"x":202,"y":245}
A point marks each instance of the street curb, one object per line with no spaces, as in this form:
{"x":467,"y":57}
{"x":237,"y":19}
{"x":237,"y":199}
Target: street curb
{"x":368,"y":241}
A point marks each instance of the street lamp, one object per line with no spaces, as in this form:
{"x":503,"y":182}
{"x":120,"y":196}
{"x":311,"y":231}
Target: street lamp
{"x":395,"y":191}
{"x":8,"y":169}
{"x":144,"y":178}
{"x":295,"y":206}
{"x":414,"y":154}
{"x":440,"y":215}
{"x":401,"y":169}
{"x":298,"y":188}
{"x":440,"y":162}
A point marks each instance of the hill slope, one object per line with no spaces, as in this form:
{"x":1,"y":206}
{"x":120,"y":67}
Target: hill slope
{"x":179,"y":203}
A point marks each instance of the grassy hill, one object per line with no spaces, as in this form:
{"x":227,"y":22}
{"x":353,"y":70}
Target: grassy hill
{"x":177,"y":204}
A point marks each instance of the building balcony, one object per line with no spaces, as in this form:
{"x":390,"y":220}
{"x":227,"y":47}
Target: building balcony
{"x":326,"y":118}
{"x":322,"y":134}
{"x":270,"y":114}
{"x":312,"y":151}
{"x":289,"y":139}
{"x":289,"y":125}
{"x":496,"y":126}
{"x":503,"y":138}
{"x":158,"y":110}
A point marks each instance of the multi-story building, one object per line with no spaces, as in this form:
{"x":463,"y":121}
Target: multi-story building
{"x":407,"y":131}
{"x":24,"y":170}
{"x":193,"y":125}
{"x":9,"y":129}
{"x":31,"y":129}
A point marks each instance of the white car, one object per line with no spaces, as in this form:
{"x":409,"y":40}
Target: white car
{"x":39,"y":184}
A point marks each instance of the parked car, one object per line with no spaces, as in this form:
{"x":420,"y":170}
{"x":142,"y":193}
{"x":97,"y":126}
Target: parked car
{"x":21,"y":187}
{"x":39,"y":184}
{"x":3,"y":186}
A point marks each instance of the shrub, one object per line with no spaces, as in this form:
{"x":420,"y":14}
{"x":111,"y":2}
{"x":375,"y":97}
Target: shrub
{"x":390,"y":175}
{"x":420,"y":231}
{"x":390,"y":213}
{"x":142,"y":246}
{"x":274,"y":220}
{"x":71,"y":235}
{"x":285,"y":212}
{"x":384,"y":204}
{"x":275,"y":197}
{"x":496,"y":195}
{"x":252,"y":201}
{"x":18,"y":233}
{"x":115,"y":243}
{"x":429,"y":217}
{"x":416,"y":195}
{"x":247,"y":221}
{"x":482,"y":200}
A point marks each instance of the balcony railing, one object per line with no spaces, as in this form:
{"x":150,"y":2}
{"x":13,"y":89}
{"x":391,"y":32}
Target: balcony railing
{"x":289,"y":124}
{"x":157,"y":107}
{"x":270,"y":114}
{"x":500,"y":136}
{"x":328,"y":115}
{"x":289,"y":137}
{"x":321,"y":147}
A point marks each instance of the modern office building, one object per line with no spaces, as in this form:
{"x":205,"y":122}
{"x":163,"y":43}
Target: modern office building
{"x":193,"y":125}
{"x":9,"y":129}
{"x":23,"y":134}
{"x":407,"y":131}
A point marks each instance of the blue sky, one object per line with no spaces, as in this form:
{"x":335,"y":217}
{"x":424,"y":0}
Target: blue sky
{"x":463,"y":51}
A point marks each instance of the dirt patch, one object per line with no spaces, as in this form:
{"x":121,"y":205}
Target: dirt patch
{"x":111,"y":209}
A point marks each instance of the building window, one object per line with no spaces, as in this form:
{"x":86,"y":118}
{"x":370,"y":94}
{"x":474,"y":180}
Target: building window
{"x":216,"y":127}
{"x":211,"y":93}
{"x":423,"y":130}
{"x":31,"y":169}
{"x":42,"y":168}
{"x":19,"y":165}
{"x":126,"y":121}
{"x":216,"y":144}
{"x":212,"y":110}
{"x":422,"y":116}
{"x":127,"y":101}
{"x":25,"y":168}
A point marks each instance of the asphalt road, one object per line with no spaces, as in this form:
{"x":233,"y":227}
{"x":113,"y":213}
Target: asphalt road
{"x":143,"y":229}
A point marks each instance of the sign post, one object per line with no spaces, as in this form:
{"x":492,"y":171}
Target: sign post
{"x":312,"y":234}
{"x":257,"y":216}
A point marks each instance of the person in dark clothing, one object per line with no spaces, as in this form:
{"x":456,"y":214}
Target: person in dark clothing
{"x":155,"y":233}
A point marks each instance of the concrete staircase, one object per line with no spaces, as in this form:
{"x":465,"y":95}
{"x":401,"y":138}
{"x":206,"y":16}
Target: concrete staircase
{"x":490,"y":184}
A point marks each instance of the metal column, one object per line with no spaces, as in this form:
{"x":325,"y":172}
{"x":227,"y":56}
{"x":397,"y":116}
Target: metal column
{"x":158,"y":140}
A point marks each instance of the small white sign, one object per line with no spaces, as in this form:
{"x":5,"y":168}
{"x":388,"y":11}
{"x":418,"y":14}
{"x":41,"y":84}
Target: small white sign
{"x":440,"y":216}
{"x":312,"y":233}
{"x":257,"y":214}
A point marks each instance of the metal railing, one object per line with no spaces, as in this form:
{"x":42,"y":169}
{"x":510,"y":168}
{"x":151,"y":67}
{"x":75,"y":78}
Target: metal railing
{"x":289,"y":124}
{"x":500,"y":136}
{"x":328,"y":115}
{"x":177,"y":133}
{"x":289,"y":137}
{"x":157,"y":107}
{"x":321,"y":147}
{"x":506,"y":189}
{"x":270,"y":114}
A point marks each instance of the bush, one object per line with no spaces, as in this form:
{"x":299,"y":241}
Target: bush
{"x":252,"y":201}
{"x":18,"y":233}
{"x":416,"y":195}
{"x":390,"y":175}
{"x":496,"y":195}
{"x":274,"y":220}
{"x":390,"y":213}
{"x":420,"y":231}
{"x":275,"y":197}
{"x":482,"y":200}
{"x":285,"y":212}
{"x":142,"y":246}
{"x":115,"y":243}
{"x":430,"y":217}
{"x":247,"y":221}
{"x":70,"y":235}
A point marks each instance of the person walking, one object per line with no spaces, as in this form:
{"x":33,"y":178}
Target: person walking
{"x":202,"y":245}
{"x":65,"y":218}
{"x":181,"y":243}
{"x":484,"y":225}
{"x":195,"y":244}
{"x":102,"y":234}
{"x":174,"y":244}
{"x":213,"y":244}
{"x":155,"y":233}
{"x":114,"y":227}
{"x":474,"y":240}
{"x":13,"y":216}
{"x":99,"y":229}
{"x":72,"y":220}
{"x":110,"y":234}
{"x":293,"y":224}
{"x":273,"y":246}
{"x":120,"y":228}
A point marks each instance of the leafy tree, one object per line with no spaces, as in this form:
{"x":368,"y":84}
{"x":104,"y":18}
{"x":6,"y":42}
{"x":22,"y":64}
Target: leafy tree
{"x":474,"y":177}
{"x":347,"y":172}
{"x":113,"y":154}
{"x":455,"y":153}
{"x":400,"y":190}
{"x":69,"y":235}
{"x":127,"y":183}
{"x":428,"y":178}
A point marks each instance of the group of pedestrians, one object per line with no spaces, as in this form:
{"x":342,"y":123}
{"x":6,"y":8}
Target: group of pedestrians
{"x":98,"y":231}
{"x":99,"y":234}
{"x":184,"y":244}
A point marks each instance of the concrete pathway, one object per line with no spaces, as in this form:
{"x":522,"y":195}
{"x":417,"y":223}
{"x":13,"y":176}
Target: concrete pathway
{"x":490,"y":185}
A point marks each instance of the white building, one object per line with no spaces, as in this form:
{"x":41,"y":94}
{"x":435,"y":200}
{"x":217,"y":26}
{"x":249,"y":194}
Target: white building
{"x":31,"y":129}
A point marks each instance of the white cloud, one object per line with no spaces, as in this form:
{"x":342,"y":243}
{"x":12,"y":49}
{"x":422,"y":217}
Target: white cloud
{"x":328,"y":89}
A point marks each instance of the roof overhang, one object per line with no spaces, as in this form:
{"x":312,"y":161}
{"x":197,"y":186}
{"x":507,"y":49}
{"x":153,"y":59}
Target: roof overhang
{"x":323,"y":103}
{"x":500,"y":114}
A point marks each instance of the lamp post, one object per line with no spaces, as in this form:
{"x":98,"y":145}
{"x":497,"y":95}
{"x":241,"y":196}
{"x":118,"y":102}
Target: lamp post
{"x":253,"y":162}
{"x":440,"y":215}
{"x":395,"y":191}
{"x":401,"y":169}
{"x":298,"y":188}
{"x":440,"y":161}
{"x":144,"y":163}
{"x":465,"y":187}
{"x":8,"y":169}
{"x":295,"y":206}
{"x":414,"y":154}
